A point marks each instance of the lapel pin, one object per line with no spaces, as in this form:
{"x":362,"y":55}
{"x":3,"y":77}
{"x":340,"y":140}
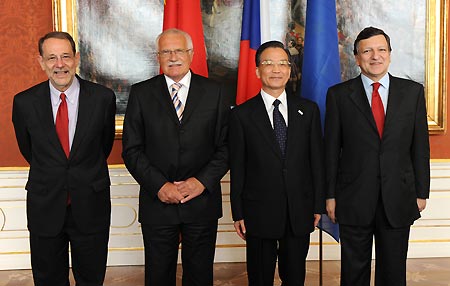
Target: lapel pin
{"x":300,"y":112}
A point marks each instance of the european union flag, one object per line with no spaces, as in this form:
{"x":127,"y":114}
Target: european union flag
{"x":321,"y":67}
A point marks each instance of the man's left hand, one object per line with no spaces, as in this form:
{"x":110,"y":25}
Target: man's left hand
{"x":421,"y":204}
{"x":316,"y":219}
{"x":189,"y":189}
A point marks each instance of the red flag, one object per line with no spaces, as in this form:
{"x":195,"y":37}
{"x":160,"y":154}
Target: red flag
{"x":186,"y":15}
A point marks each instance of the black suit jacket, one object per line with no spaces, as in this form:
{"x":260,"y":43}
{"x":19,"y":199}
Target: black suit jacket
{"x":52,"y":175}
{"x":264,"y":187}
{"x":157,"y":148}
{"x":361,"y":168}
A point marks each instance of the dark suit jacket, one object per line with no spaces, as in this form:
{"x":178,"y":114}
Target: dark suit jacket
{"x":158,"y":149}
{"x":264,"y":187}
{"x":84,"y":174}
{"x":361,"y":168}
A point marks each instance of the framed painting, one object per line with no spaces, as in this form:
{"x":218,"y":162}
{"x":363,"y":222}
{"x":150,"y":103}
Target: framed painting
{"x":116,"y":41}
{"x":418,"y":32}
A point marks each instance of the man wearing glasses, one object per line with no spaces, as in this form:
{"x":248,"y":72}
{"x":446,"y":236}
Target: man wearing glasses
{"x":277,"y":172}
{"x":175,"y":146}
{"x":65,"y":130}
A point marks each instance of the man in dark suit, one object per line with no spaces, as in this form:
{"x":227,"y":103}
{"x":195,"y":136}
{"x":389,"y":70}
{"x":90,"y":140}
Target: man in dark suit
{"x":175,"y":146}
{"x":377,"y":160}
{"x":277,"y":178}
{"x":65,"y":131}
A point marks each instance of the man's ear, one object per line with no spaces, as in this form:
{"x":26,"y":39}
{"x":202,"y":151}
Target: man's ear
{"x":40,"y":60}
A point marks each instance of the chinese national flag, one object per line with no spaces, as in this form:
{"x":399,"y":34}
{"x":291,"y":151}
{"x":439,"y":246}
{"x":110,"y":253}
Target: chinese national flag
{"x":186,"y":15}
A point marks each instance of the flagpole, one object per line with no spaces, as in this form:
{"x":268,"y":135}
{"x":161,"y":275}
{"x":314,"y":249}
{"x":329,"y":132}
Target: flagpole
{"x":320,"y":258}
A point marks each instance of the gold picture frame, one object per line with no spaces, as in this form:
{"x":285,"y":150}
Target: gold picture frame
{"x":436,"y":57}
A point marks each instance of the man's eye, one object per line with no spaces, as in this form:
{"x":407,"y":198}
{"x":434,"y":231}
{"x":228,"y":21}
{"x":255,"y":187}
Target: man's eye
{"x":284,"y":63}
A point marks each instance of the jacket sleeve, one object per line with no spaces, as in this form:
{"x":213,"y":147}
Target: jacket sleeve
{"x":332,"y":143}
{"x":421,"y":149}
{"x":109,"y":129}
{"x":237,"y":165}
{"x":20,"y":128}
{"x":217,"y":166}
{"x":317,"y":162}
{"x":133,"y":144}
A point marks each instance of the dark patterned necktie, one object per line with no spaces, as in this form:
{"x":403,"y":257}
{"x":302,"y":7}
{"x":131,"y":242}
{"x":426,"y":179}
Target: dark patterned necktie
{"x":279,"y":126}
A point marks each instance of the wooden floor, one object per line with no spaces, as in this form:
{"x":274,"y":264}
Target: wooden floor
{"x":423,"y":272}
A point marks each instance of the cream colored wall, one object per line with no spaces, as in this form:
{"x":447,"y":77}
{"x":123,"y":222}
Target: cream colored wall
{"x":430,"y":236}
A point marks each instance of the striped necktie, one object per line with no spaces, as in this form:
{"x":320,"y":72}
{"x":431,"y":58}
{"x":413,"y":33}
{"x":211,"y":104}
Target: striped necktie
{"x":176,"y":100}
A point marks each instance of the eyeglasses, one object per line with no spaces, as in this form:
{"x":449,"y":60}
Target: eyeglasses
{"x":64,"y":58}
{"x":177,"y":52}
{"x":271,"y":64}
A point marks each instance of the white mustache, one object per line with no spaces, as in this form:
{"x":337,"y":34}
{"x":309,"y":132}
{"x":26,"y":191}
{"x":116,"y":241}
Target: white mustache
{"x":175,"y":63}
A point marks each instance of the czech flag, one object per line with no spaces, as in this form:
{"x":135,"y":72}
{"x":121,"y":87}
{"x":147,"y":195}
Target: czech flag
{"x":255,"y":30}
{"x":186,"y":15}
{"x":321,"y":66}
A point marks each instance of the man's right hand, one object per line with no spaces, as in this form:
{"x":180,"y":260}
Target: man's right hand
{"x":239,"y":226}
{"x":169,"y":194}
{"x":331,"y":208}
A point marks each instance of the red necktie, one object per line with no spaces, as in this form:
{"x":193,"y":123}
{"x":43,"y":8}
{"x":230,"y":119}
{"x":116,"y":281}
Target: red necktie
{"x":377,"y":108}
{"x":62,"y":128}
{"x":62,"y":124}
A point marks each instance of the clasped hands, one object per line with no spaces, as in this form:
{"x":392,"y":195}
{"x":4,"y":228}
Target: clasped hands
{"x":181,"y":191}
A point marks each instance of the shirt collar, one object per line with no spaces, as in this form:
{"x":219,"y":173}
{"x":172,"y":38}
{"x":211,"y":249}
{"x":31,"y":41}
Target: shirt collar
{"x":268,"y":99}
{"x":71,"y":93}
{"x":367,"y":82}
{"x":185,"y":81}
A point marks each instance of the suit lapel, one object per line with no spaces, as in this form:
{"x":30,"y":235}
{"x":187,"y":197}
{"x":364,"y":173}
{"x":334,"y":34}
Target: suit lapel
{"x":358,"y":96}
{"x":262,"y":122}
{"x":395,"y":98}
{"x":43,"y":107}
{"x":163,"y":96}
{"x":86,"y":105}
{"x":196,"y":92}
{"x":295,"y":117}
